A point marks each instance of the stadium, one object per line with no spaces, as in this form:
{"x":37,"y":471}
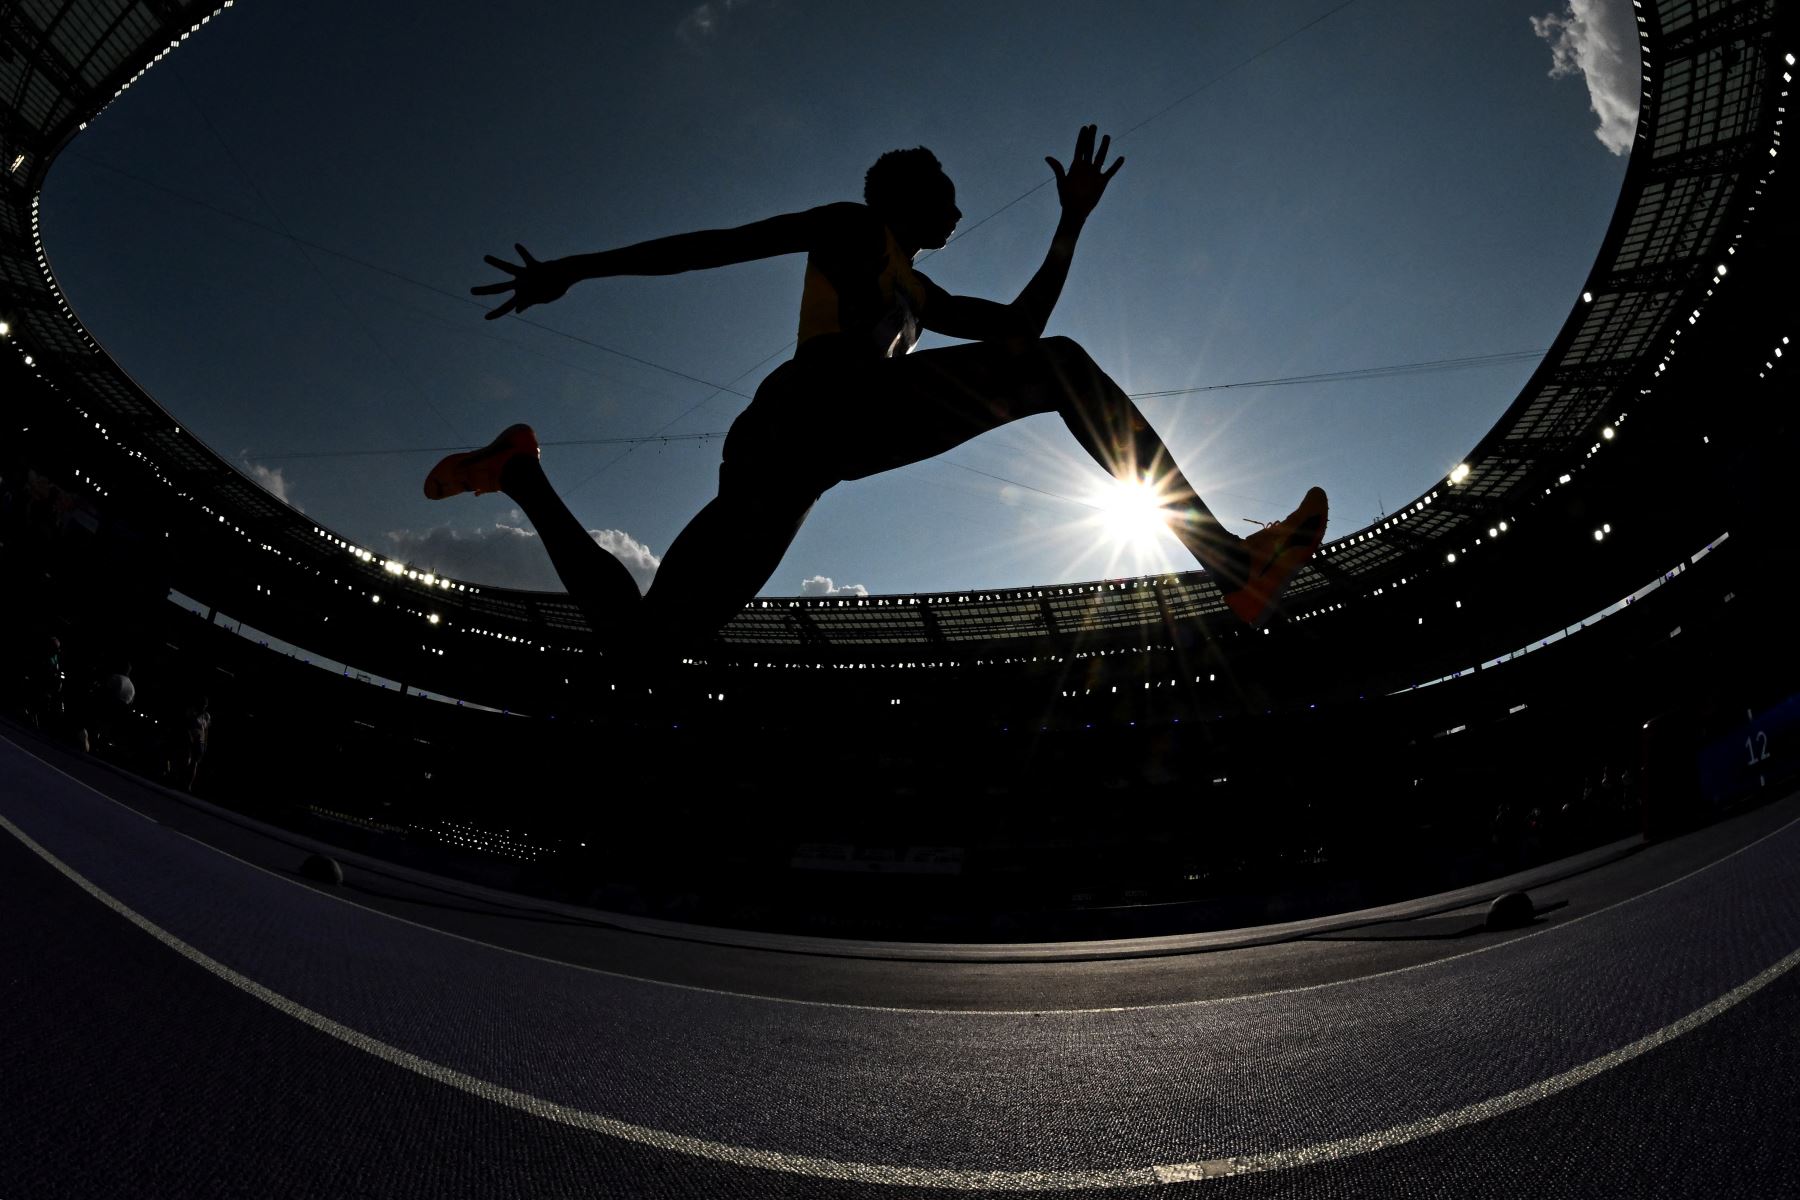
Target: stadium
{"x":1134,"y":898}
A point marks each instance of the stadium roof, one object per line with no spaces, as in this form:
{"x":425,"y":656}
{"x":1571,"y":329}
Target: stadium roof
{"x":1709,"y":132}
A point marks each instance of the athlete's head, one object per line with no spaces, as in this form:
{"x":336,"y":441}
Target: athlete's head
{"x":909,"y":190}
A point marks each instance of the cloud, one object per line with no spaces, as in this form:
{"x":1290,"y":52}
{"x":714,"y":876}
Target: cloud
{"x":705,"y":20}
{"x":272,"y":480}
{"x":508,"y":555}
{"x":821,"y":585}
{"x":634,"y":554}
{"x":1598,"y":39}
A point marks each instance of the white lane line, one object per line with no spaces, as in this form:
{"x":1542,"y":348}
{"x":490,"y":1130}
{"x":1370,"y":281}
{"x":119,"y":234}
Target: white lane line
{"x":953,"y":1178}
{"x":44,"y":762}
{"x":929,"y":1012}
{"x":1481,"y":1110}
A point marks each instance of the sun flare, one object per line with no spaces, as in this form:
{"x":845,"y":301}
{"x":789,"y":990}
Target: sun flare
{"x":1132,"y":513}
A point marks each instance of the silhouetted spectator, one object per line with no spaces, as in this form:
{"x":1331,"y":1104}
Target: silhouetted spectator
{"x":108,"y":702}
{"x":188,"y":743}
{"x":44,"y":685}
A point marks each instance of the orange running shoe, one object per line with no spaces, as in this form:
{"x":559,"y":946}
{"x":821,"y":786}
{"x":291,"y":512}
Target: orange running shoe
{"x":1274,"y":554}
{"x":478,"y":471}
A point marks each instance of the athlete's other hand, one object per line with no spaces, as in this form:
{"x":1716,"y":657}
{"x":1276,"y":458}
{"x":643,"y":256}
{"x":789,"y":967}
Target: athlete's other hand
{"x":1083,"y":183}
{"x":533,"y":282}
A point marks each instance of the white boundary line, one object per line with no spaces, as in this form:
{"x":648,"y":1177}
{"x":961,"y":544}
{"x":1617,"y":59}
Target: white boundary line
{"x":961,"y":1179}
{"x":887,"y":1008}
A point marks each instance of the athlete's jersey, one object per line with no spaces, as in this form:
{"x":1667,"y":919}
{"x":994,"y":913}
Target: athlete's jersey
{"x":861,"y":292}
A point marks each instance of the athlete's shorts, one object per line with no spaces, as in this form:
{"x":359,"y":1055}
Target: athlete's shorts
{"x":826,"y":417}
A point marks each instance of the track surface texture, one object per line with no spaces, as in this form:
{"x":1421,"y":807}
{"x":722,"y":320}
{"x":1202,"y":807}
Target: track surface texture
{"x":186,"y":1017}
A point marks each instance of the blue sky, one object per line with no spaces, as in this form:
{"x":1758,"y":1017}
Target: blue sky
{"x":1402,"y":182}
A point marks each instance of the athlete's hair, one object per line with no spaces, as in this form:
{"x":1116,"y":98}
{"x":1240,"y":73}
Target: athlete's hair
{"x":896,"y":176}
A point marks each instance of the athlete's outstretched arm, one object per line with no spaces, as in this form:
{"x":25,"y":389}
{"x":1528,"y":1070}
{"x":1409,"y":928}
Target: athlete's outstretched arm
{"x":1079,"y":188}
{"x":535,"y":282}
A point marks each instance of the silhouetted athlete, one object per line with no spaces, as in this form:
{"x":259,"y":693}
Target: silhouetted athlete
{"x":853,"y":402}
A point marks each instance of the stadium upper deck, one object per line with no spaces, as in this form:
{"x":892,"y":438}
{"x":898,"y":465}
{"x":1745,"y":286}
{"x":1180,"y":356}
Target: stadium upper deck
{"x":1716,"y":74}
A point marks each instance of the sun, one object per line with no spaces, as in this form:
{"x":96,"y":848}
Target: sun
{"x":1132,"y":513}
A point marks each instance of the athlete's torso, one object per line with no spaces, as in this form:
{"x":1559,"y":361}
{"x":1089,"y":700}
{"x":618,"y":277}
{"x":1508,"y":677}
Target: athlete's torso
{"x":861,"y":294}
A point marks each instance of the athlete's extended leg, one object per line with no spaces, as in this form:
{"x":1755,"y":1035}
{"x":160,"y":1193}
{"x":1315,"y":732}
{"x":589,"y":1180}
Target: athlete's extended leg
{"x":937,"y":399}
{"x":1116,"y":435}
{"x":1251,"y":571}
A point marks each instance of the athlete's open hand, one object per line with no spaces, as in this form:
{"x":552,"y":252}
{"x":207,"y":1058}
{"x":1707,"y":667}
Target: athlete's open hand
{"x":533,"y":282}
{"x":1082,"y":184}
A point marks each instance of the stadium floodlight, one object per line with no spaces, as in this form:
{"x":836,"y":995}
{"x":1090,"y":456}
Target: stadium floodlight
{"x":1587,"y":297}
{"x":1460,"y":473}
{"x":1721,"y":268}
{"x":434,"y":618}
{"x":5,"y":329}
{"x":1607,"y":433}
{"x":1599,"y":535}
{"x":374,"y":599}
{"x":1451,"y":557}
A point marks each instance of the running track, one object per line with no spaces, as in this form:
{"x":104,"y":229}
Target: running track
{"x":186,"y":1020}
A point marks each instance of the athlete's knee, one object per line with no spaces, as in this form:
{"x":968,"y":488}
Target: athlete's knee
{"x":1064,"y":351}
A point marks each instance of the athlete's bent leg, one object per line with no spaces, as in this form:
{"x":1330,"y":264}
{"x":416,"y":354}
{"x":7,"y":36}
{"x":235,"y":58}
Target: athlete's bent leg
{"x":597,"y":582}
{"x":727,"y":552}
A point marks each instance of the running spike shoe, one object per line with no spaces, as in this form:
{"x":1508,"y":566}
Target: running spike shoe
{"x":1273,"y":555}
{"x":478,"y":471}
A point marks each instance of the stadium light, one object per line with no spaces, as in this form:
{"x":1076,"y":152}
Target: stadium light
{"x":1460,"y":473}
{"x":1607,"y":433}
{"x":5,"y":329}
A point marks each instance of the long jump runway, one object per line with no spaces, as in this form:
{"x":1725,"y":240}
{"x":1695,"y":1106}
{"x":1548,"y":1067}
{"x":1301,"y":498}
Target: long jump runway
{"x":178,"y":1021}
